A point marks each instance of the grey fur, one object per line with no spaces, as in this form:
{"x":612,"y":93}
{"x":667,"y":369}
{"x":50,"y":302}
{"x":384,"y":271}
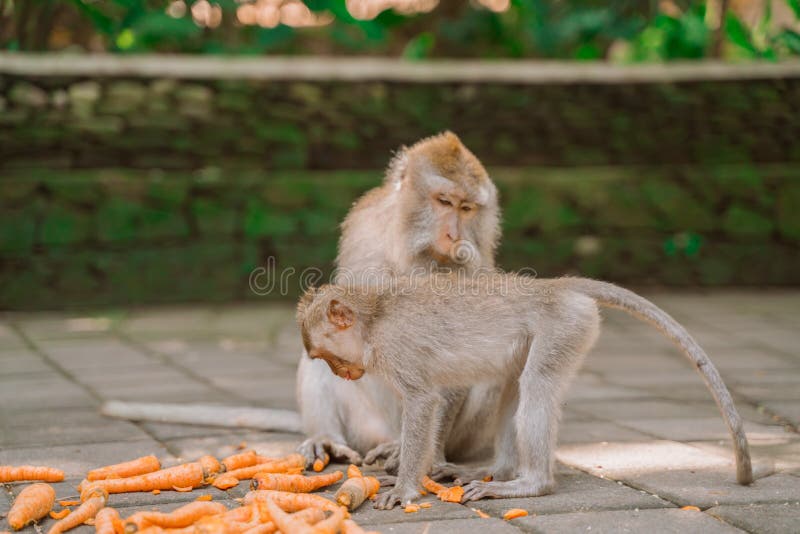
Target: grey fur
{"x":429,"y":337}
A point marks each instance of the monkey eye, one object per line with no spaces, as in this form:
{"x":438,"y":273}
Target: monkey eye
{"x":444,"y":202}
{"x":466,"y":208}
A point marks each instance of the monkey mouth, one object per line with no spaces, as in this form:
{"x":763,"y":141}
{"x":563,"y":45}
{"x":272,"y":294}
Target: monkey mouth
{"x":339,"y":366}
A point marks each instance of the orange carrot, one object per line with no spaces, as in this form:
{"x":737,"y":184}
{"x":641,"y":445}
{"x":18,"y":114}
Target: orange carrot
{"x":180,"y":476}
{"x":206,"y":497}
{"x":211,"y":466}
{"x":295,"y":483}
{"x":32,"y":503}
{"x":225,"y":481}
{"x":94,"y":501}
{"x":68,"y":503}
{"x":353,"y":471}
{"x":290,"y":524}
{"x":432,"y":486}
{"x":269,"y":465}
{"x":107,"y":521}
{"x":411,"y":508}
{"x":514,"y":513}
{"x":481,"y":514}
{"x":237,"y":461}
{"x":690,"y":508}
{"x":180,"y":517}
{"x":10,"y":473}
{"x":156,"y":492}
{"x":356,"y":490}
{"x":319,"y":464}
{"x":61,"y":514}
{"x":444,"y":493}
{"x":291,"y":502}
{"x":139,"y":466}
{"x":425,"y":505}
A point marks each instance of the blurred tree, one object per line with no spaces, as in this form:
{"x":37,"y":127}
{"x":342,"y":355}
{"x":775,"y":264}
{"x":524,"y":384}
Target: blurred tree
{"x":626,"y":30}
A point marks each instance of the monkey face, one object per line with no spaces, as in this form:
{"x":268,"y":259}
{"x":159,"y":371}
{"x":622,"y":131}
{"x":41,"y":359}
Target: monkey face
{"x":340,"y":367}
{"x":335,"y":337}
{"x":453,"y":217}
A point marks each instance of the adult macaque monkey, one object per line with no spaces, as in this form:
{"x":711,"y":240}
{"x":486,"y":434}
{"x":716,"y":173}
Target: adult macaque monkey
{"x":529,"y":336}
{"x":437,"y":209}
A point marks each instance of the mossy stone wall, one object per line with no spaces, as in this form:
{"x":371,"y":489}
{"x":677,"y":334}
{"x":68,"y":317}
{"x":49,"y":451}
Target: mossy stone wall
{"x":133,"y":189}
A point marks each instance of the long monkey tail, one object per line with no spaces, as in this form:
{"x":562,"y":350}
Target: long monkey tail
{"x":612,"y":296}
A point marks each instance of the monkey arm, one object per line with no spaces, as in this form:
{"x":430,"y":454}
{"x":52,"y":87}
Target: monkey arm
{"x":421,"y":411}
{"x":389,"y":452}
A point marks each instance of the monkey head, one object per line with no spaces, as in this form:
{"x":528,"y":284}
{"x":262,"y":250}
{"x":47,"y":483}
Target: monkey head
{"x":331,"y":328}
{"x":448,"y":201}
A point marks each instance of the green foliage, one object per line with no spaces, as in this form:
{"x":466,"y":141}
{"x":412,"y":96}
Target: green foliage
{"x":627,"y":30}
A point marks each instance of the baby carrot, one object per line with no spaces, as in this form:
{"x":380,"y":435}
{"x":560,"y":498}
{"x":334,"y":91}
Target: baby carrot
{"x":180,"y":517}
{"x":61,"y":514}
{"x":97,"y":498}
{"x":444,"y":493}
{"x":320,"y":463}
{"x":107,"y":521}
{"x":139,"y":466}
{"x":225,"y":481}
{"x":353,"y":471}
{"x":288,"y":523}
{"x":10,"y":473}
{"x":211,"y":466}
{"x":295,"y":483}
{"x":291,"y":502}
{"x":271,"y":465}
{"x":242,"y":459}
{"x":180,"y":476}
{"x":356,"y":490}
{"x":32,"y":503}
{"x":514,"y":513}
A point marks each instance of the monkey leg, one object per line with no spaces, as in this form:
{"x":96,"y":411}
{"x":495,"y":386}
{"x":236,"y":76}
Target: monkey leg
{"x":320,"y":417}
{"x":418,"y":443}
{"x":552,"y":361}
{"x":390,"y":452}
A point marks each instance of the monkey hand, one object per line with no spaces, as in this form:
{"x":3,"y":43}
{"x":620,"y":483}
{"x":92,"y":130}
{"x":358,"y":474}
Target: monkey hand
{"x":315,"y":448}
{"x":458,"y":473}
{"x":389,"y":452}
{"x":396,"y":495}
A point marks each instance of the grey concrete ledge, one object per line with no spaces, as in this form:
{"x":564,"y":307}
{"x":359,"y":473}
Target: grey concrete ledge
{"x":380,"y":69}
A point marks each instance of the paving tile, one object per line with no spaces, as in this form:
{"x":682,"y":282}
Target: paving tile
{"x":761,"y":518}
{"x":453,"y":526}
{"x":698,"y":428}
{"x":618,"y":460}
{"x":576,"y":492}
{"x":710,"y":487}
{"x":40,"y":393}
{"x":92,"y":353}
{"x":789,"y":409}
{"x":77,"y":460}
{"x":66,"y":432}
{"x":634,"y":521}
{"x":596,"y":431}
{"x":656,"y":409}
{"x":42,"y":326}
{"x":782,"y":452}
{"x":367,"y":515}
{"x":168,"y":320}
{"x":265,"y":443}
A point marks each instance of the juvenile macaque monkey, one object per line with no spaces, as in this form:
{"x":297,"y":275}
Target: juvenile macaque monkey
{"x":424,"y":335}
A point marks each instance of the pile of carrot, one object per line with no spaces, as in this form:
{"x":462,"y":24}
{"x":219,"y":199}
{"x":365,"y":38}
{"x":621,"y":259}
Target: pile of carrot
{"x":281,"y":500}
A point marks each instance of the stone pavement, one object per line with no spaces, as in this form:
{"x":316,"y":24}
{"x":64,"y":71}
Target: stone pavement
{"x":641,"y":437}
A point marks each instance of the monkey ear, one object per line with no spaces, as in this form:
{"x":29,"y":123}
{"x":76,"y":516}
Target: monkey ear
{"x":396,"y":172}
{"x":340,"y":315}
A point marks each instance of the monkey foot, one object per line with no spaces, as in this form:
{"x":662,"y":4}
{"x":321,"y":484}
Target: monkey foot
{"x":520,"y":487}
{"x":460,"y":474}
{"x":389,"y":452}
{"x":386,"y":480}
{"x":315,"y":449}
{"x":395,"y":496}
